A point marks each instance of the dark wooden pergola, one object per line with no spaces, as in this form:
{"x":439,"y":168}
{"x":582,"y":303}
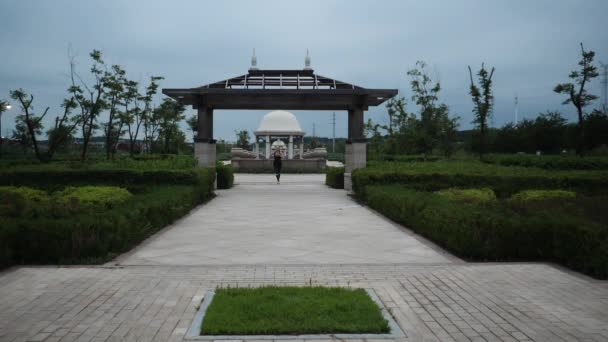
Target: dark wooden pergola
{"x":280,"y":89}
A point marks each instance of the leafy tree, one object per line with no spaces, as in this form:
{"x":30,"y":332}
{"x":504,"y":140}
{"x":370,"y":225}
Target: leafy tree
{"x":62,"y":133}
{"x":147,"y":114}
{"x":114,"y":84}
{"x":242,"y":139}
{"x":169,"y":114}
{"x":192,"y":122}
{"x":29,"y":125}
{"x":90,"y":99}
{"x":4,"y":105}
{"x":596,"y":129}
{"x":577,"y":94}
{"x":435,"y":128}
{"x":483,"y":101}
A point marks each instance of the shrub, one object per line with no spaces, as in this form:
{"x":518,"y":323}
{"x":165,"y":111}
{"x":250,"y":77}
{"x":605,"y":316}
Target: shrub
{"x":93,"y":237}
{"x":468,"y":195}
{"x":503,"y":180}
{"x":550,"y":162}
{"x":23,"y":201}
{"x":96,"y":236}
{"x":334,"y":177}
{"x":536,"y":195}
{"x":55,"y":179}
{"x":225,"y":176}
{"x":90,"y":197}
{"x":494,"y":230}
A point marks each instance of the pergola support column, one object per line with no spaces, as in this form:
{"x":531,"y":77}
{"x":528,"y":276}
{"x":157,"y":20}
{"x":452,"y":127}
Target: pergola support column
{"x":290,"y":148}
{"x":267,"y":147}
{"x":355,"y":156}
{"x":204,"y":145}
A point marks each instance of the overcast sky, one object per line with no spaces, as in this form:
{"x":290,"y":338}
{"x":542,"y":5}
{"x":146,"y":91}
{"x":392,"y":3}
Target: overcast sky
{"x":533,"y":45}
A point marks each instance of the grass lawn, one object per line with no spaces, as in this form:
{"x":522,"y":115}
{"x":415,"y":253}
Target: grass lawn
{"x":292,"y":311}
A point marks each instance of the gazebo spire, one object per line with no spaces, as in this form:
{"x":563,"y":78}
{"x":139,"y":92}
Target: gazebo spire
{"x":307,"y":61}
{"x":254,"y":61}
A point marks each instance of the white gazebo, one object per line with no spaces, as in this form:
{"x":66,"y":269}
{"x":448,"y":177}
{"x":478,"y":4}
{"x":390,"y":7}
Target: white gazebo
{"x":277,"y":125}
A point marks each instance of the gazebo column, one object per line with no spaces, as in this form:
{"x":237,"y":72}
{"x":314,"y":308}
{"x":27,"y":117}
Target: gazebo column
{"x":355,"y":156}
{"x":204,"y":146}
{"x":257,"y":148}
{"x":268,"y":147}
{"x":290,"y":148}
{"x":302,"y":147}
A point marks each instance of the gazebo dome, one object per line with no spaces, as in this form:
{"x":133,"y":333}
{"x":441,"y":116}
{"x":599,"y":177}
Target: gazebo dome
{"x":278,"y":144}
{"x":279,"y":122}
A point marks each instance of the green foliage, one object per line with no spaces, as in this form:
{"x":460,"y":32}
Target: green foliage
{"x":292,"y":310}
{"x":168,"y":116}
{"x":483,"y":101}
{"x":89,"y":198}
{"x":225,"y":176}
{"x":242,"y":139}
{"x":571,"y":231}
{"x":541,"y":195}
{"x":96,"y":236}
{"x":466,"y":174}
{"x":560,"y":162}
{"x":23,"y":201}
{"x":577,"y":94}
{"x":334,"y":177}
{"x":468,"y":195}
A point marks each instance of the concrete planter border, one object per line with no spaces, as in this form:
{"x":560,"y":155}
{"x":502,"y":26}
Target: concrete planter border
{"x":194,"y":331}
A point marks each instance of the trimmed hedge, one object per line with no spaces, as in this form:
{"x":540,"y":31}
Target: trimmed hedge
{"x":470,"y":195}
{"x":95,"y":237}
{"x":563,"y":231}
{"x":225,"y":176}
{"x":124,"y":178}
{"x":555,"y":162}
{"x":334,"y":177}
{"x":503,"y":180}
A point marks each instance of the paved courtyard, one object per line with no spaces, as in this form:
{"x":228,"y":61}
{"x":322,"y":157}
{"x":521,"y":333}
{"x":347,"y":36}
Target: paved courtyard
{"x":300,"y":221}
{"x":298,"y":233}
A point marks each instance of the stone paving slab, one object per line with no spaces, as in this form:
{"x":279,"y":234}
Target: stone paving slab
{"x":451,"y":302}
{"x":300,"y":221}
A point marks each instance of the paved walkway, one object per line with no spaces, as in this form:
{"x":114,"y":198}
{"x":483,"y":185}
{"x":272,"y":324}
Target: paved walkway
{"x":153,"y":296}
{"x":300,"y":221}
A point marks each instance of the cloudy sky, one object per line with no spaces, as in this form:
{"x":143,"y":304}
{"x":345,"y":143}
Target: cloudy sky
{"x":532,"y":44}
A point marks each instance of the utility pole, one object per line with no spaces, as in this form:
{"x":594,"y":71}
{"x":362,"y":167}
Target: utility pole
{"x":333,"y":137}
{"x":516,"y":109}
{"x":605,"y":87}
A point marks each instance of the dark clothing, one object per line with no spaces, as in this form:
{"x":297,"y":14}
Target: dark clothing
{"x":278,"y":163}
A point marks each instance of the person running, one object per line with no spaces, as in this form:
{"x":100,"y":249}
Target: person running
{"x":278,"y":163}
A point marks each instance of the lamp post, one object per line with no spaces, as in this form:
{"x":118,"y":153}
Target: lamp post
{"x":3,"y":107}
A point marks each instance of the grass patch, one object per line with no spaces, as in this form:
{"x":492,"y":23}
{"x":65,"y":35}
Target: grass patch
{"x":292,"y":311}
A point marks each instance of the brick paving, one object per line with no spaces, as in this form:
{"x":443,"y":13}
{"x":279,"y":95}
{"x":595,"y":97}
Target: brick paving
{"x":150,"y":296}
{"x":451,"y":302}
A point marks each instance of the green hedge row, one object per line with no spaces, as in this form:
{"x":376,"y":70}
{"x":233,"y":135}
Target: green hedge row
{"x":559,"y":231}
{"x":225,"y":176}
{"x":550,"y":162}
{"x":334,"y":177}
{"x":125,"y":177}
{"x":98,"y":236}
{"x":503,"y":180}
